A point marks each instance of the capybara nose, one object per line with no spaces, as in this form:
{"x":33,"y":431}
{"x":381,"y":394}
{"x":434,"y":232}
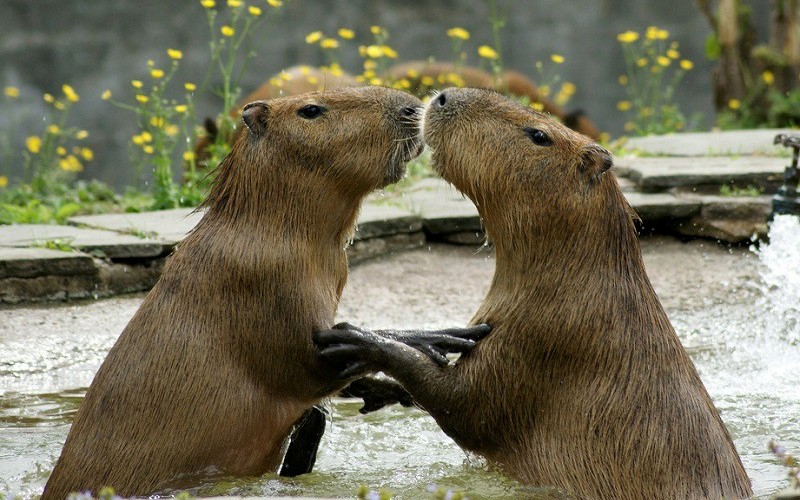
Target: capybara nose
{"x":409,"y":111}
{"x":441,"y":99}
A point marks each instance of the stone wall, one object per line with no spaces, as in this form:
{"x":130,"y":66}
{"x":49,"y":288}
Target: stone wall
{"x":99,"y":44}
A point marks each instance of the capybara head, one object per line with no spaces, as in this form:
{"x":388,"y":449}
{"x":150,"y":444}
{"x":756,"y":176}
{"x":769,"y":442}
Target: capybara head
{"x":511,"y":160}
{"x":361,"y":136}
{"x":340,"y":144}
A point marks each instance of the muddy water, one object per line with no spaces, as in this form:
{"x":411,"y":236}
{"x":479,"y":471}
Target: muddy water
{"x":735,"y":311}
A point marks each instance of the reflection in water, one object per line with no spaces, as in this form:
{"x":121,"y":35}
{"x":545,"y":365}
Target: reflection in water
{"x":736,"y":311}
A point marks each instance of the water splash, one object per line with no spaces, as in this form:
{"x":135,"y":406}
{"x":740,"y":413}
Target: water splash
{"x":780,"y":276}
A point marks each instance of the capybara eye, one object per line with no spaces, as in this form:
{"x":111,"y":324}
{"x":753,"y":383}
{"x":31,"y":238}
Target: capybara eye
{"x":538,"y":137}
{"x":311,"y":111}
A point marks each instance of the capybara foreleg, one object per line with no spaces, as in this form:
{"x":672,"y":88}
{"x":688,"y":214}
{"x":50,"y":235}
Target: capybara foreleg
{"x":304,"y":442}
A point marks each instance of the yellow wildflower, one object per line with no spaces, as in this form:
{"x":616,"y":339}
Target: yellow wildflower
{"x":12,"y":92}
{"x":623,"y":79}
{"x":376,"y":81}
{"x":768,"y":77}
{"x":537,"y":106}
{"x":374,"y":51}
{"x":628,"y":37}
{"x":686,"y":64}
{"x":59,"y":105}
{"x":87,"y":154}
{"x":347,"y":34}
{"x":369,"y":64}
{"x":142,"y":98}
{"x":402,"y":84}
{"x":137,"y":84}
{"x":314,"y":37}
{"x":275,"y":3}
{"x":556,"y":58}
{"x":175,"y":54}
{"x":181,"y":108}
{"x":148,"y":149}
{"x":53,"y":129}
{"x":208,"y":4}
{"x":375,"y":30}
{"x":34,"y":144}
{"x":335,"y":69}
{"x":81,"y":134}
{"x":544,"y":90}
{"x":138,"y":140}
{"x":641,"y":62}
{"x":106,"y":95}
{"x":234,"y":3}
{"x":227,"y":31}
{"x":487,"y":52}
{"x":427,"y":81}
{"x":663,"y":61}
{"x":329,"y":43}
{"x":70,"y":164}
{"x":388,"y":51}
{"x":188,"y":156}
{"x":624,"y":105}
{"x":648,"y":111}
{"x":146,"y":136}
{"x":157,"y":121}
{"x":673,"y":54}
{"x":157,"y":73}
{"x":313,"y":80}
{"x":412,"y":73}
{"x":3,"y":181}
{"x":150,"y":63}
{"x":48,"y":98}
{"x":285,"y":76}
{"x":171,"y":130}
{"x":69,"y":93}
{"x":734,"y":104}
{"x":655,"y":33}
{"x":459,"y":33}
{"x":191,"y":87}
{"x":61,"y":151}
{"x":254,"y":11}
{"x":568,"y":88}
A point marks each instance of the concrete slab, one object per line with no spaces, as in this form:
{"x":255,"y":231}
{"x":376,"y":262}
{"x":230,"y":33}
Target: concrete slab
{"x":110,"y":244}
{"x":170,"y":226}
{"x":704,"y":173}
{"x":33,"y":262}
{"x":723,"y":143}
{"x":443,"y":208}
{"x":380,"y":219}
{"x":660,"y":207}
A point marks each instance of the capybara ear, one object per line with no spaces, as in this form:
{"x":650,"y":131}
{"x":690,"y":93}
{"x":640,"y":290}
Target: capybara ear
{"x":255,"y":116}
{"x":211,"y":129}
{"x":595,"y":160}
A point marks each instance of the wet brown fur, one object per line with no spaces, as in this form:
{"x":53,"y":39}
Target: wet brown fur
{"x":510,"y":82}
{"x":583,"y":383}
{"x":217,"y":364}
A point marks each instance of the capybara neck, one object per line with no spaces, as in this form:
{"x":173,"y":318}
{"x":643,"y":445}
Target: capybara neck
{"x":278,"y":198}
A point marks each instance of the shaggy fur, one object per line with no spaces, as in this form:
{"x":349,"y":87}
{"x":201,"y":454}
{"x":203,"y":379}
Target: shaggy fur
{"x":583,"y":384}
{"x":217,"y":364}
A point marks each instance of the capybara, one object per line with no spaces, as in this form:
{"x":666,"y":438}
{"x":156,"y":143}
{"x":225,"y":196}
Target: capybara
{"x":509,"y":82}
{"x":217,"y":365}
{"x":583,"y":384}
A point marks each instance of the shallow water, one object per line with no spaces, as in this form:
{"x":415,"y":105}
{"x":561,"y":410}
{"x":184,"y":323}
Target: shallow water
{"x":735,"y":310}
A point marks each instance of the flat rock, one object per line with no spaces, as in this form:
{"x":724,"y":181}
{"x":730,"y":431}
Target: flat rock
{"x":170,"y":226}
{"x":110,"y":244}
{"x":34,"y":262}
{"x":444,"y":209}
{"x":722,"y":143}
{"x":382,"y":219}
{"x":732,"y":219}
{"x":660,"y":207}
{"x":704,"y":173}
